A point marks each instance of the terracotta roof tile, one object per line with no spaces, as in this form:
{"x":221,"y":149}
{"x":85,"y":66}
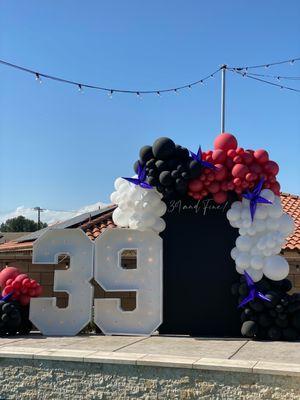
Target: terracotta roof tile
{"x":291,"y":205}
{"x":94,"y":227}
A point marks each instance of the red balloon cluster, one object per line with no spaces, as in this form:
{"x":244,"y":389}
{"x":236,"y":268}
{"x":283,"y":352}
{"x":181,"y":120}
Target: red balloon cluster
{"x":237,"y":170}
{"x":23,"y":288}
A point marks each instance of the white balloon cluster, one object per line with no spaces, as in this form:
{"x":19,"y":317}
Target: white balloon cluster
{"x":138,"y":208}
{"x":261,"y":240}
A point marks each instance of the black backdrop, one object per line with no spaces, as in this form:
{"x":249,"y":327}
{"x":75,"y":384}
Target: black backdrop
{"x":198,"y":270}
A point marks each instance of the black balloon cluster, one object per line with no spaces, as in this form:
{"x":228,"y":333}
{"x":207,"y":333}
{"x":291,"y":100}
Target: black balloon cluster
{"x":168,"y":167}
{"x":14,"y":318}
{"x":278,"y":319}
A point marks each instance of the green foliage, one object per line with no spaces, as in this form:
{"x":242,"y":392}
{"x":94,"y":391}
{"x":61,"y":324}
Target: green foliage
{"x":21,"y":224}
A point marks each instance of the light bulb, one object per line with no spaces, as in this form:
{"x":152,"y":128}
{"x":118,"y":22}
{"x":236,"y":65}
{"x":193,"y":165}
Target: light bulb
{"x":38,"y":78}
{"x":110,"y":93}
{"x":80,"y":88}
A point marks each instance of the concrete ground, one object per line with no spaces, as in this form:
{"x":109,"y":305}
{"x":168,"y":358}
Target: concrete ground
{"x":169,"y":351}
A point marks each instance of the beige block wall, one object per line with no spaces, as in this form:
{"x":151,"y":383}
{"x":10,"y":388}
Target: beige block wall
{"x":44,"y":274}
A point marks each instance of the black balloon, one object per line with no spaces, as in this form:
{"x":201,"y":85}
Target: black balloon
{"x":165,"y":178}
{"x":146,"y":153}
{"x":163,"y":148}
{"x":249,"y":329}
{"x":169,"y":167}
{"x":278,"y":319}
{"x":274,"y":333}
{"x":14,"y":318}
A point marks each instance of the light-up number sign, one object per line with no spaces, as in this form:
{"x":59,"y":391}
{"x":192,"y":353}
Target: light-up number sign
{"x":44,"y":313}
{"x":105,"y":267}
{"x":145,"y":280}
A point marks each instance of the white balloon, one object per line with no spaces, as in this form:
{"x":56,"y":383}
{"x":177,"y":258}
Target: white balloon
{"x":243,"y":260}
{"x":233,"y":214}
{"x":243,"y":243}
{"x":286,"y":224}
{"x":262,"y":239}
{"x":119,"y":182}
{"x":276,"y":268}
{"x":261,"y":211}
{"x":256,"y":274}
{"x":257,"y":262}
{"x":138,"y":208}
{"x":234,"y":252}
{"x":268,"y":195}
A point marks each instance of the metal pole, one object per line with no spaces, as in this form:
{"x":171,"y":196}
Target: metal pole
{"x":39,"y":217}
{"x":223,"y":68}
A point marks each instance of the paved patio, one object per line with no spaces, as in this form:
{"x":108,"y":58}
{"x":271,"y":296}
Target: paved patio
{"x":239,"y":355}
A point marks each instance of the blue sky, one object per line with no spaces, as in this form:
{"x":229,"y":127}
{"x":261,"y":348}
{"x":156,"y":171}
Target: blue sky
{"x":61,"y":149}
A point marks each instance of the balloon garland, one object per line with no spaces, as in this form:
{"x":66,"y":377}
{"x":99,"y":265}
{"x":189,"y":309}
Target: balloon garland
{"x":17,"y":290}
{"x":167,"y":171}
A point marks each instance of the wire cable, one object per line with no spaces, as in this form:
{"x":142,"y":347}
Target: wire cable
{"x":291,"y":61}
{"x":278,"y":77}
{"x":81,"y":85}
{"x":245,"y":75}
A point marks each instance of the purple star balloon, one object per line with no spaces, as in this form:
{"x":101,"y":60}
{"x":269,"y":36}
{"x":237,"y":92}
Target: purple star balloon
{"x":205,"y":164}
{"x":255,"y":198}
{"x":140,"y":180}
{"x":7,"y":297}
{"x":253,"y":292}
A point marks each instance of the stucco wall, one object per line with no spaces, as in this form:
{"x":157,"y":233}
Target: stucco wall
{"x":38,"y":380}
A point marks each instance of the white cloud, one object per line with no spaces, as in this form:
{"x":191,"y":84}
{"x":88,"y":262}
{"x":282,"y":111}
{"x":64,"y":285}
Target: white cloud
{"x":50,"y":216}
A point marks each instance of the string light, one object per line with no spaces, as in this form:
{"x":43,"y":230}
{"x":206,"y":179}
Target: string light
{"x":264,"y":81}
{"x":38,"y":78}
{"x":110,"y":91}
{"x":240,"y":70}
{"x":290,"y":61}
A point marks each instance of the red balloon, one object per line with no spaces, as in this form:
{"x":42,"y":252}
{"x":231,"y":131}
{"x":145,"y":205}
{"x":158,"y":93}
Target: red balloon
{"x":230,"y":185}
{"x":26,"y":282}
{"x":275,"y":187}
{"x":247,"y":157}
{"x":219,"y":156}
{"x":225,"y":141}
{"x":256,"y":168}
{"x":9,"y":282}
{"x":8,"y":273}
{"x":214,"y":187}
{"x":204,"y":193}
{"x":211,"y":176}
{"x":237,"y":159}
{"x":24,"y":299}
{"x":229,"y":163}
{"x":271,"y":167}
{"x":8,"y":289}
{"x":261,"y":156}
{"x":39,"y":289}
{"x":33,"y":283}
{"x":21,"y":277}
{"x":16,"y":285}
{"x":231,"y":153}
{"x":221,"y":172}
{"x":250,"y":177}
{"x":240,"y":151}
{"x":237,"y":181}
{"x":202,"y":177}
{"x":195,"y":185}
{"x":31,"y":292}
{"x":220,"y":197}
{"x":224,"y":186}
{"x":23,"y":290}
{"x":239,"y":170}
